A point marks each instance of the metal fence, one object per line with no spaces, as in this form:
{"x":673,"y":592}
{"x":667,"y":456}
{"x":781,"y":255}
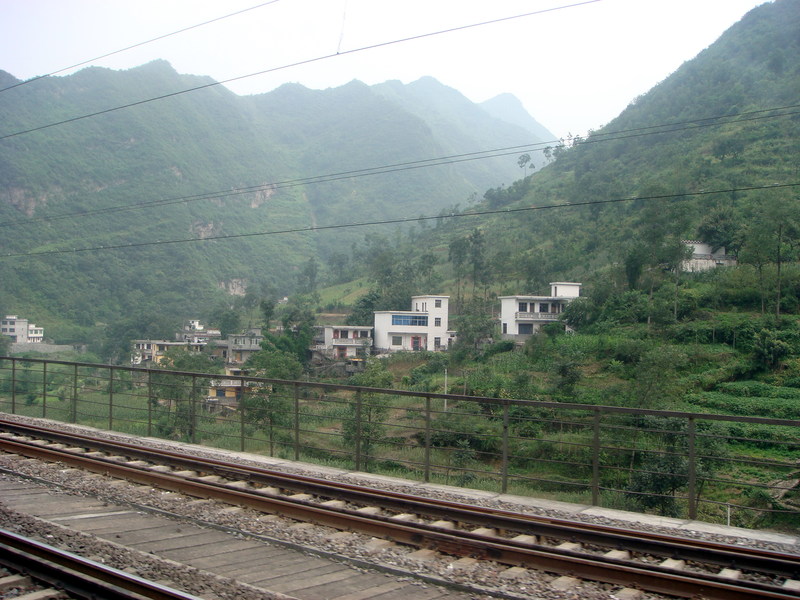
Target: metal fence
{"x":720,"y":468}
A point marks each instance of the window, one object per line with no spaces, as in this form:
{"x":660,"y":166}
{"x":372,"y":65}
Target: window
{"x":544,"y":307}
{"x":417,"y":320}
{"x":505,"y":327}
{"x":437,"y":342}
{"x":397,"y":340}
{"x":525,"y":328}
{"x":437,"y":303}
{"x":437,"y":322}
{"x":523,"y":307}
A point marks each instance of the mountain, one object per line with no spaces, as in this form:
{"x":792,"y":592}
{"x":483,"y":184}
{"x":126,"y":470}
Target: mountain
{"x":609,"y":207}
{"x":508,"y":108}
{"x":211,"y":164}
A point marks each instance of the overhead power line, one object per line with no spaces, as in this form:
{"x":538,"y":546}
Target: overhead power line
{"x":398,"y":221}
{"x":424,"y":163}
{"x":297,"y":64}
{"x":137,"y":45}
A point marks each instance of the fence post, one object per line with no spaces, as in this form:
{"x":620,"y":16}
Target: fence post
{"x":111,"y":398}
{"x":44,"y":390}
{"x":504,"y":475}
{"x":692,"y":471}
{"x":358,"y":430}
{"x":149,"y":403}
{"x":193,"y":411}
{"x":296,"y":422}
{"x":73,"y":412}
{"x":596,"y":459}
{"x":13,"y":386}
{"x":242,"y":420}
{"x":427,"y":476}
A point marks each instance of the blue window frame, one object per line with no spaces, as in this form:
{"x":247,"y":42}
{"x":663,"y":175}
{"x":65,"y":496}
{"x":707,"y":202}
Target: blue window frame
{"x":417,"y":320}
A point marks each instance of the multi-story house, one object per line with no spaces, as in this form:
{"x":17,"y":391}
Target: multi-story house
{"x":152,"y":351}
{"x":522,"y":316}
{"x":21,"y":331}
{"x":343,"y":341}
{"x":226,"y":392}
{"x":424,"y":327}
{"x":237,"y":348}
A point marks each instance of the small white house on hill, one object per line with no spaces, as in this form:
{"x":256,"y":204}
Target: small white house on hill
{"x":705,"y":257}
{"x":344,"y":341}
{"x":521,"y":316}
{"x":424,"y":327}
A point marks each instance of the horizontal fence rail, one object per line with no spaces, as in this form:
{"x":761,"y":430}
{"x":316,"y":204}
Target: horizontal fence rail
{"x":720,"y":468}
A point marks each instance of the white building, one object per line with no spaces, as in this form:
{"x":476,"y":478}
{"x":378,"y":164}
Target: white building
{"x":344,"y":341}
{"x":522,"y":316}
{"x":705,"y":258}
{"x":21,"y":331}
{"x":424,"y":327}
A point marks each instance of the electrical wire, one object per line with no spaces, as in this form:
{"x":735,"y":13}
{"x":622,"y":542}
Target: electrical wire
{"x":314,"y":228}
{"x":296,"y":64}
{"x":424,"y":163}
{"x":137,"y":45}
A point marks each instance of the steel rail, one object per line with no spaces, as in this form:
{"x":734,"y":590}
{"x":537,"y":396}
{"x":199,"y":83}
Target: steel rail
{"x":79,"y":576}
{"x":460,"y":543}
{"x":724,"y":555}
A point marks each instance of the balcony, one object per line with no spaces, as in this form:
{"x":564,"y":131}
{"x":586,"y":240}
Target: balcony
{"x":360,"y":341}
{"x":535,"y":316}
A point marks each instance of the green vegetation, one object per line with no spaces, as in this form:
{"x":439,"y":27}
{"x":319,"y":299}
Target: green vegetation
{"x":709,"y":154}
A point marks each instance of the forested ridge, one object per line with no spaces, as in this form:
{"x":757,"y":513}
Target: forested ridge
{"x":710,"y":153}
{"x":210,"y":164}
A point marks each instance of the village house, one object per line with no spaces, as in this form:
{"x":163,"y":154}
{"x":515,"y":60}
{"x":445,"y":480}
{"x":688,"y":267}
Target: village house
{"x":424,"y":327}
{"x":705,"y":257}
{"x":21,"y":331}
{"x":226,"y":392}
{"x":343,"y":341}
{"x":522,"y":316}
{"x":151,"y":352}
{"x":194,"y":337}
{"x":237,"y":348}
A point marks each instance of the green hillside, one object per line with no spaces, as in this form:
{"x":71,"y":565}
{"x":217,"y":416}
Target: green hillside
{"x":206,"y":164}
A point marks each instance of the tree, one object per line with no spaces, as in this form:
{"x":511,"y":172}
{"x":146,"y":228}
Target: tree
{"x":523,"y":163}
{"x":364,"y":427}
{"x":266,"y":409}
{"x":307,"y":279}
{"x":457,"y":255}
{"x":273,"y":363}
{"x":227,"y":320}
{"x":476,"y":253}
{"x":182,"y":392}
{"x":721,"y":229}
{"x":769,"y":349}
{"x":5,"y":345}
{"x":474,"y":324}
{"x":267,"y":307}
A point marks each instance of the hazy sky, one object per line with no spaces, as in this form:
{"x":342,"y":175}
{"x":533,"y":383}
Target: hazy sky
{"x":574,"y":68}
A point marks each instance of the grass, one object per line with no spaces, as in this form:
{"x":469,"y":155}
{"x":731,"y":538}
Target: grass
{"x":549,"y":453}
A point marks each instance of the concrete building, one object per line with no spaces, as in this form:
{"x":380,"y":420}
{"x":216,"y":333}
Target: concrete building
{"x":705,"y":257}
{"x":521,"y":316}
{"x":21,"y":331}
{"x":237,"y":348}
{"x":151,"y":352}
{"x":424,"y":327}
{"x":343,"y":341}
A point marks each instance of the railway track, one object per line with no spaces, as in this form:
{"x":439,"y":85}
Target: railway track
{"x":40,"y":571}
{"x":656,"y":563}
